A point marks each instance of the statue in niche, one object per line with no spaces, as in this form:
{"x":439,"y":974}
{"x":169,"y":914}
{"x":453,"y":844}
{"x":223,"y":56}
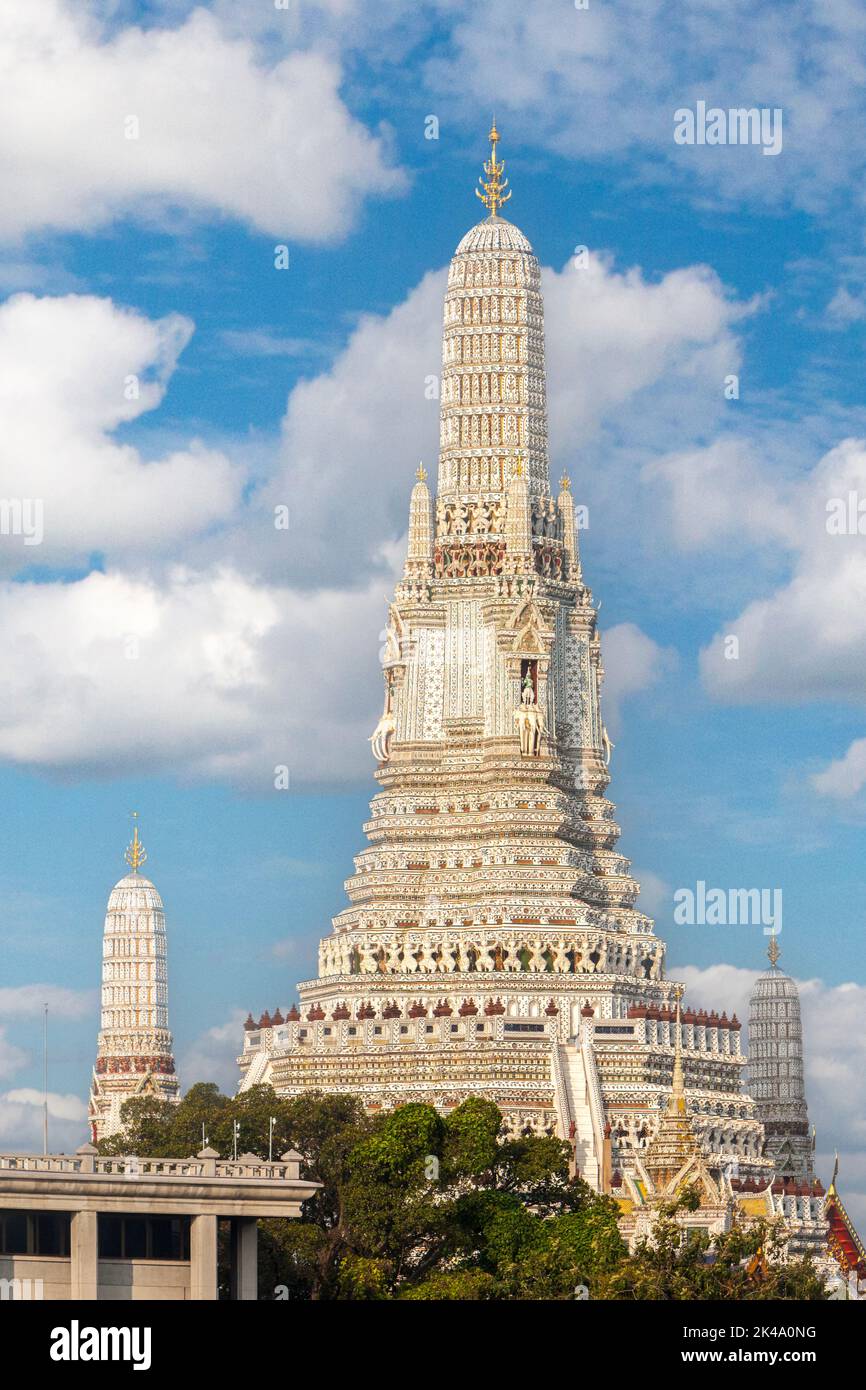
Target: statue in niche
{"x":530,"y":727}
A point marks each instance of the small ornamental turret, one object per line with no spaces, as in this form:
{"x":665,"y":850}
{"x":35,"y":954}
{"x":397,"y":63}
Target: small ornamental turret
{"x":419,"y":553}
{"x":250,"y":1024}
{"x":565,"y":503}
{"x":518,"y":522}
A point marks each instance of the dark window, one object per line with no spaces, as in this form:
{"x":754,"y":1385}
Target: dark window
{"x":168,"y":1239}
{"x":144,"y":1237}
{"x":135,"y":1238}
{"x":34,"y":1233}
{"x":110,"y":1237}
{"x":52,"y":1233}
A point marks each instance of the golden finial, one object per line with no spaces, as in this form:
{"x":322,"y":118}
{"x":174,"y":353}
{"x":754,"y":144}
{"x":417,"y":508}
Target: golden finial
{"x":565,"y":483}
{"x":421,"y":473}
{"x":135,"y":854}
{"x":494,"y":186}
{"x":518,"y":471}
{"x":773,"y":950}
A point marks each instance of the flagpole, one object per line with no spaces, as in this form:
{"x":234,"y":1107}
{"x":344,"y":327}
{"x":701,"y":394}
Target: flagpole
{"x":45,"y":1079}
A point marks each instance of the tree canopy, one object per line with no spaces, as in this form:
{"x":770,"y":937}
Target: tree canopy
{"x":418,"y":1205}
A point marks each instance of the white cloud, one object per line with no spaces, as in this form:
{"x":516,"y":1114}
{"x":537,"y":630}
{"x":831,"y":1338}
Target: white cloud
{"x":221,"y":128}
{"x":12,"y":1058}
{"x":612,"y":335}
{"x":213,"y":1055}
{"x":72,"y":370}
{"x":351,"y":441}
{"x":807,"y":639}
{"x":202,"y":654}
{"x":602,"y":96}
{"x":204,"y":673}
{"x":632,"y":662}
{"x":28,"y":1001}
{"x":844,"y":777}
{"x":21,"y":1121}
{"x":263,"y":342}
{"x":720,"y":492}
{"x":845,"y":308}
{"x":656,"y":896}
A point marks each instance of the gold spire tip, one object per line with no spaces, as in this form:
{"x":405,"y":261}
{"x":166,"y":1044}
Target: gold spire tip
{"x":135,"y":853}
{"x":495,"y":185}
{"x":774,"y":950}
{"x":565,"y":483}
{"x":421,"y":473}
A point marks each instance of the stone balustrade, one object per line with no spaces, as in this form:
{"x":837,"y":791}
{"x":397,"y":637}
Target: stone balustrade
{"x":535,"y":951}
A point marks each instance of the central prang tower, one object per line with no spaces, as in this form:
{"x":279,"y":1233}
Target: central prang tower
{"x":491,"y":945}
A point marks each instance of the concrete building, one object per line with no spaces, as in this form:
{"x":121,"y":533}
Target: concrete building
{"x":79,"y":1226}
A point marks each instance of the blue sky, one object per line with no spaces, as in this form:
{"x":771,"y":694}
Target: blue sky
{"x":153,"y":258}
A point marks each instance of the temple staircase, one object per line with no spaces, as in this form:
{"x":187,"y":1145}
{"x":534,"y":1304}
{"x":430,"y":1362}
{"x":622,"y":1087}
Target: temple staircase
{"x":574,"y":1067}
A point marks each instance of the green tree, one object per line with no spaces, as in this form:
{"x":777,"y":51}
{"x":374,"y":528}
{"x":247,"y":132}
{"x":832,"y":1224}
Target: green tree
{"x":412,"y":1204}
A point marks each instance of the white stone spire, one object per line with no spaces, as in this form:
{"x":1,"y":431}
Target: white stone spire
{"x":776,"y":1069}
{"x":493,"y":401}
{"x":134,"y":1048}
{"x":490,"y":907}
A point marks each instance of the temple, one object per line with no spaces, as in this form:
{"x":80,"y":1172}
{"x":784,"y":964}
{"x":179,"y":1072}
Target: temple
{"x":492,"y":945}
{"x":134,"y":1047}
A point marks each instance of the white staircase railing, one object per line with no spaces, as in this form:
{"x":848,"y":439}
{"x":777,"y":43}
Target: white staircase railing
{"x":560,"y":1091}
{"x":594,"y":1098}
{"x":256,"y":1070}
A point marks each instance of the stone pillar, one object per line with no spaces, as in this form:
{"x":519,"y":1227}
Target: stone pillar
{"x":203,"y":1257}
{"x":84,"y":1256}
{"x":244,"y":1257}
